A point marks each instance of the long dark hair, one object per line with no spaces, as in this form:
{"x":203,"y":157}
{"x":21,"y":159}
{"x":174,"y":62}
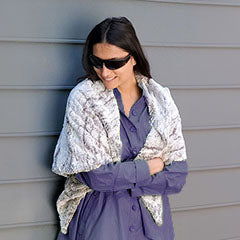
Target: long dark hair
{"x":119,"y":32}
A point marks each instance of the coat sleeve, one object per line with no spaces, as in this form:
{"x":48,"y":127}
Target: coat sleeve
{"x":170,"y":180}
{"x":116,"y":176}
{"x":136,"y":176}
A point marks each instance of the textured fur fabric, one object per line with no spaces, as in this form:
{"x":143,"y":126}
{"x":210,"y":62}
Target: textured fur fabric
{"x":90,"y":137}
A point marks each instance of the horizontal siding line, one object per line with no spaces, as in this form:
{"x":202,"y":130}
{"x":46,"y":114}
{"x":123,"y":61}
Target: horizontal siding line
{"x":69,"y":87}
{"x":36,"y":87}
{"x":216,"y":167}
{"x":143,"y":43}
{"x":59,"y":178}
{"x":56,"y":133}
{"x":190,"y":45}
{"x":42,"y":40}
{"x":205,"y":206}
{"x":210,"y":127}
{"x":195,"y":2}
{"x":203,"y":87}
{"x":231,"y":238}
{"x":31,"y":180}
{"x":31,"y":134}
{"x":27,"y":224}
{"x":44,"y":223}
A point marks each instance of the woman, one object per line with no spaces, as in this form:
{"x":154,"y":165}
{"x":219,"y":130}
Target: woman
{"x":121,"y":145}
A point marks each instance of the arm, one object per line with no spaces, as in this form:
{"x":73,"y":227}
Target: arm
{"x":116,"y":176}
{"x":136,"y":176}
{"x":169,"y":181}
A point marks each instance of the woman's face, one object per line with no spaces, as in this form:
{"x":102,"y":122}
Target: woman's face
{"x":118,"y":77}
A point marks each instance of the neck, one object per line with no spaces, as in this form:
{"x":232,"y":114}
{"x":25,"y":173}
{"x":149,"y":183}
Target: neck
{"x":130,"y":89}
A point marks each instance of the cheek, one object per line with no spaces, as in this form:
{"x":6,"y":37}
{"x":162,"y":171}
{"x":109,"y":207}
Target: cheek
{"x":126,"y":70}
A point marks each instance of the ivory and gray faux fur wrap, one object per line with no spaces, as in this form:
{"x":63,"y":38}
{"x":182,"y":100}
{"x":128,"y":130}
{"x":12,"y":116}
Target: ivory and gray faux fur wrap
{"x":90,"y":137}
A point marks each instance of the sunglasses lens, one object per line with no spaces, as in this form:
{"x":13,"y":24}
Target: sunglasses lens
{"x":96,"y":62}
{"x":114,"y":65}
{"x":110,"y":64}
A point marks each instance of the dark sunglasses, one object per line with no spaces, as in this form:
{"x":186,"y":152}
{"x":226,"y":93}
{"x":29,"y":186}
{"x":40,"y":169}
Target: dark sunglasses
{"x":110,"y":64}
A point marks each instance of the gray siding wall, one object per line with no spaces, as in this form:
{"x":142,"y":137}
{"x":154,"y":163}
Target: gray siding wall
{"x":193,"y":47}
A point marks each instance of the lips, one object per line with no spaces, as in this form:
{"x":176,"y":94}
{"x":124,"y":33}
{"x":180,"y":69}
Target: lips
{"x":108,"y":79}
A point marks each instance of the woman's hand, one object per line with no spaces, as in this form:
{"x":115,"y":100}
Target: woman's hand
{"x":155,"y":165}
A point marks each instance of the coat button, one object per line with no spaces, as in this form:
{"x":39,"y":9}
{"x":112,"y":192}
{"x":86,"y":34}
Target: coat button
{"x":134,"y":208}
{"x":132,"y":229}
{"x":134,"y":151}
{"x":134,"y":113}
{"x":132,"y":129}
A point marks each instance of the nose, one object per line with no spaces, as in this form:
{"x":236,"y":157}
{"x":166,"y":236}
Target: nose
{"x":105,"y":71}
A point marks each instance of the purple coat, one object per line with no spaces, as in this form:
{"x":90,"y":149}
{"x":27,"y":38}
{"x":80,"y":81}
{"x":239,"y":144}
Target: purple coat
{"x":113,"y":211}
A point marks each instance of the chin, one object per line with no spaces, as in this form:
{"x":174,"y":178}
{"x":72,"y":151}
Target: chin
{"x":110,"y":85}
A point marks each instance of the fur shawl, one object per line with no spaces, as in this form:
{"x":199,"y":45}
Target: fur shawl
{"x":90,"y":137}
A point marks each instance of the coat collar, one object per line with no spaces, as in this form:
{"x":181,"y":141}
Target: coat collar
{"x":105,"y":105}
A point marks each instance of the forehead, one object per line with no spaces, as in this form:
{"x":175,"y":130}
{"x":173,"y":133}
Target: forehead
{"x":108,"y":51}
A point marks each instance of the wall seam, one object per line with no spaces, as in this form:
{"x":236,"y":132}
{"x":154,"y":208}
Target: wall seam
{"x":56,"y":133}
{"x":190,"y":208}
{"x":59,"y":178}
{"x":27,"y":224}
{"x":70,"y":87}
{"x":143,"y":43}
{"x":205,"y":206}
{"x":195,"y":2}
